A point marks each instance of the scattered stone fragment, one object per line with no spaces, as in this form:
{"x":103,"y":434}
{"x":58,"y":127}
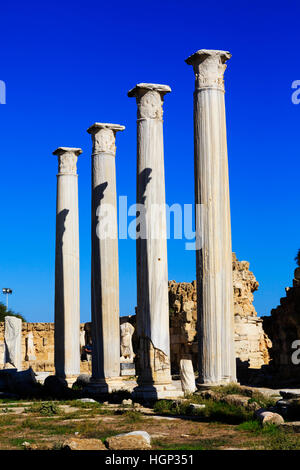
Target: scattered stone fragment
{"x":139,"y":440}
{"x":83,"y":444}
{"x":87,"y":400}
{"x":195,"y":406}
{"x":127,"y":402}
{"x":210,"y":395}
{"x":29,"y":446}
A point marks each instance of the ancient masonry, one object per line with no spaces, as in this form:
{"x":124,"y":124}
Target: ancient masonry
{"x":251,"y":343}
{"x":42,"y":359}
{"x":283,"y":327}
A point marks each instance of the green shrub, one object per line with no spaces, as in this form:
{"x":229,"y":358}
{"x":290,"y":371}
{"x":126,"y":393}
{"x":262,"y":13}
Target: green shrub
{"x":45,"y":409}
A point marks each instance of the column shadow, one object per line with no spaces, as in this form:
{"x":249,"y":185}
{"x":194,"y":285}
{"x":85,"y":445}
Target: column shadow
{"x":143,"y":319}
{"x":59,"y":331}
{"x":96,"y":289}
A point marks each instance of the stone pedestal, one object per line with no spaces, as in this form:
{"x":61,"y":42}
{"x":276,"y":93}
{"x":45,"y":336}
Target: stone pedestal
{"x":105,"y":265}
{"x":213,"y":227}
{"x":154,"y":376}
{"x":67,"y":306}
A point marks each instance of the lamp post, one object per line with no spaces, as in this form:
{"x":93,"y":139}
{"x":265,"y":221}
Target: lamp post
{"x":6,"y":291}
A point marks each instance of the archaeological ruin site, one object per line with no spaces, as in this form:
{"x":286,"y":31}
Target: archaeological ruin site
{"x":188,"y":347}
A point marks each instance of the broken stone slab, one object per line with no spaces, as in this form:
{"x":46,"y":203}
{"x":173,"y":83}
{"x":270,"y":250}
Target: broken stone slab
{"x":267,"y":417}
{"x":237,"y":400}
{"x":139,"y":440}
{"x":83,"y":444}
{"x":87,"y":400}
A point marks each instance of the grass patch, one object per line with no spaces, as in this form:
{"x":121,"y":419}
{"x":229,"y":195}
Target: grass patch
{"x":255,"y":427}
{"x":213,"y":411}
{"x":131,"y":416}
{"x":18,"y":441}
{"x":282,"y":441}
{"x":273,"y":438}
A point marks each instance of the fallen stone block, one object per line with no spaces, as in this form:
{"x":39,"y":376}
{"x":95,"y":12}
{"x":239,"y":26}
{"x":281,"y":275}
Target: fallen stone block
{"x":127,"y":402}
{"x":136,"y":440}
{"x":83,"y":444}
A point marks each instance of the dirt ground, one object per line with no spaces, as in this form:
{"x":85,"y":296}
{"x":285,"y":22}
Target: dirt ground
{"x":48,"y":428}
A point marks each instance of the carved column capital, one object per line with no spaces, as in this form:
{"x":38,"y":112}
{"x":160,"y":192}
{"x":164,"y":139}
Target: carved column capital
{"x":209,"y":67}
{"x":67,"y":160}
{"x":149,"y":97}
{"x":104,"y":137}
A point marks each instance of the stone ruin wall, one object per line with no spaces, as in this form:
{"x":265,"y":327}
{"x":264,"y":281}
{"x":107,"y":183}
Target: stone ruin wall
{"x":251,"y":342}
{"x":283,"y":327}
{"x":43,"y":338}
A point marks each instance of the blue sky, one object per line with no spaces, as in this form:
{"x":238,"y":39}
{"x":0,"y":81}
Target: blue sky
{"x":69,"y":64}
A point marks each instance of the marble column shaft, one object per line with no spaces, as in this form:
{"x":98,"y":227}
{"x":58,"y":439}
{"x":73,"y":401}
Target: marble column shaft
{"x":214,"y":258}
{"x":152,"y":268}
{"x":67,"y":295}
{"x":105,"y":264}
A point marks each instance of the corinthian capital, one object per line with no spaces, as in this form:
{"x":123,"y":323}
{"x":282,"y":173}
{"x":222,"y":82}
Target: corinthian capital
{"x":67,"y":160}
{"x":104,"y":137}
{"x":209,"y":67}
{"x":149,"y":97}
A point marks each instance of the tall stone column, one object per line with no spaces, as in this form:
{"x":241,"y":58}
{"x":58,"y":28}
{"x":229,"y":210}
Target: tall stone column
{"x":154,"y":376}
{"x":105,"y":264}
{"x":213,"y":226}
{"x":67,"y":296}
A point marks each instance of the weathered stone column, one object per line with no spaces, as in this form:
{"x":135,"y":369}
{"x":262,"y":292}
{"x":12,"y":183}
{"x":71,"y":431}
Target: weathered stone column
{"x":152,"y":270}
{"x":214,"y":257}
{"x":67,"y":306}
{"x":105,"y":264}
